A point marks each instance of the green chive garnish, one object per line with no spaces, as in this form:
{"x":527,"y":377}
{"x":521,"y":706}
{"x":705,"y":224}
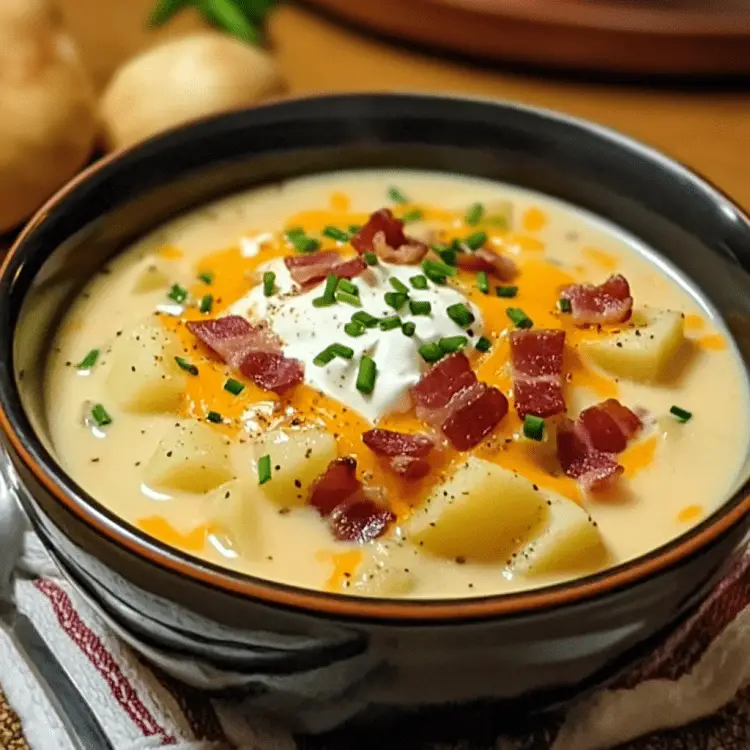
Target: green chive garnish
{"x":519,"y":317}
{"x":185,"y":365}
{"x":324,"y":358}
{"x":408,"y":329}
{"x":346,"y":286}
{"x":388,"y":324}
{"x":460,"y":314}
{"x":301,"y":242}
{"x":348,"y":298}
{"x":367,"y":320}
{"x":206,"y":277}
{"x":100,"y":416}
{"x":215,"y":417}
{"x":354,"y":228}
{"x":396,"y":300}
{"x":178,"y":294}
{"x":681,"y":414}
{"x":396,"y":195}
{"x":418,"y":282}
{"x":435,"y":267}
{"x":483,"y":282}
{"x":448,"y":256}
{"x":483,"y":344}
{"x":332,"y":283}
{"x":430,"y":352}
{"x":207,"y":302}
{"x":506,"y":291}
{"x":564,"y":305}
{"x":269,"y":283}
{"x":476,"y":240}
{"x":398,"y":285}
{"x":474,"y":214}
{"x":367,"y":374}
{"x":410,"y":216}
{"x":335,"y":233}
{"x":420,"y":307}
{"x":264,"y":469}
{"x":371,"y":259}
{"x":533,"y":427}
{"x":452,"y":344}
{"x":323,"y":301}
{"x":340,"y":350}
{"x":234,"y":387}
{"x":354,"y":328}
{"x":89,"y":360}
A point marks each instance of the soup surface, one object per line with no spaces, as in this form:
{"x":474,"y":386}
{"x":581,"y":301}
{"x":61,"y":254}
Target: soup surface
{"x":476,"y":390}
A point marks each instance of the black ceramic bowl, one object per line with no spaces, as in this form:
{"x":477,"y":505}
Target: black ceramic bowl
{"x":321,"y":659}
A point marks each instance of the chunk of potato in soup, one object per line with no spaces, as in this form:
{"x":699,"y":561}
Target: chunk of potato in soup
{"x":476,"y":391}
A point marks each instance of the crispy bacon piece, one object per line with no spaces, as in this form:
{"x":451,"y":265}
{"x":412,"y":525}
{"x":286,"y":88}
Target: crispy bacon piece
{"x":407,"y":452}
{"x":484,"y":259}
{"x":384,"y":235}
{"x":610,"y":425}
{"x":360,"y":520}
{"x":232,"y":337}
{"x":537,"y":358}
{"x":440,"y":383}
{"x":272,"y":371}
{"x":337,"y":484}
{"x":480,"y":411}
{"x":609,"y":302}
{"x":313,"y":268}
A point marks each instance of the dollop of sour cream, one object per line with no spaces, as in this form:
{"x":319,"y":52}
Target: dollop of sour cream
{"x":306,"y":331}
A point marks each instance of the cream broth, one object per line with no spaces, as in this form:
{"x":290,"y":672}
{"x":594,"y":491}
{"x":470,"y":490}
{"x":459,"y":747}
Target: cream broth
{"x":675,"y":472}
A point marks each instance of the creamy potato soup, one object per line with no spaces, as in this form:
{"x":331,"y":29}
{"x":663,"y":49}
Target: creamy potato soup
{"x":398,"y":384}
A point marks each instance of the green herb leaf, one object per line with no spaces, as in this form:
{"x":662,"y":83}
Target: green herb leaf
{"x":483,"y":282}
{"x":396,"y":300}
{"x":418,"y":282}
{"x":335,"y":233}
{"x":264,"y":469}
{"x":234,"y":387}
{"x":412,"y":216}
{"x":483,"y":344}
{"x":519,"y":317}
{"x":301,"y":242}
{"x":460,"y":314}
{"x":215,"y":417}
{"x":396,"y":195}
{"x":506,"y":291}
{"x":206,"y":303}
{"x":452,"y":344}
{"x":431,"y":352}
{"x":564,"y":305}
{"x":324,"y":358}
{"x":341,"y":350}
{"x":420,"y":307}
{"x":178,"y":293}
{"x":207,"y":277}
{"x":408,"y":329}
{"x":348,"y":298}
{"x":269,"y":283}
{"x":682,"y":415}
{"x":388,"y":324}
{"x":354,"y":328}
{"x":89,"y":360}
{"x":476,"y":240}
{"x":399,"y":285}
{"x":533,"y":427}
{"x":474,"y":214}
{"x":371,"y":259}
{"x":100,"y":416}
{"x":346,"y":286}
{"x":367,"y":320}
{"x":226,"y":15}
{"x":185,"y":365}
{"x":366,"y":375}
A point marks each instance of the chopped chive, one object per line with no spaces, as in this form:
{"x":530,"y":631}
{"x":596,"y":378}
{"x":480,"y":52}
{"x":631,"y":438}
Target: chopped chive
{"x":476,"y":240}
{"x":207,"y":302}
{"x":398,"y":285}
{"x":264,"y":469}
{"x":681,"y":414}
{"x":215,"y":417}
{"x":430,"y":352}
{"x":420,"y":307}
{"x":301,"y":242}
{"x":354,"y":228}
{"x":234,"y":387}
{"x":483,"y":282}
{"x":410,"y":216}
{"x":354,"y":328}
{"x":396,"y":195}
{"x":474,"y":214}
{"x":340,"y":350}
{"x":519,"y":317}
{"x":332,"y":283}
{"x":371,"y":259}
{"x":177,"y":293}
{"x":346,"y":286}
{"x":368,"y":373}
{"x":185,"y":365}
{"x":389,"y":323}
{"x":100,"y":415}
{"x":460,"y":314}
{"x":408,"y":329}
{"x":483,"y":344}
{"x":499,"y":221}
{"x":269,"y":283}
{"x":324,"y":358}
{"x":564,"y":305}
{"x":533,"y":427}
{"x":335,"y":233}
{"x":434,"y":276}
{"x":448,"y":256}
{"x":207,"y":277}
{"x":418,"y":282}
{"x":348,"y":298}
{"x":506,"y":291}
{"x":452,"y":344}
{"x":438,"y":268}
{"x":367,"y":320}
{"x":396,"y":300}
{"x":89,"y":360}
{"x":323,"y":301}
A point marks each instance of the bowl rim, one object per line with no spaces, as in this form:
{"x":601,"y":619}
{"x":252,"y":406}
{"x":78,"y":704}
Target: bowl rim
{"x":23,"y":439}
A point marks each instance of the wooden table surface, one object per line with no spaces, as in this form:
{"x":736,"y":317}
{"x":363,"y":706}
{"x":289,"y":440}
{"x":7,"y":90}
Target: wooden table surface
{"x":709,"y":130}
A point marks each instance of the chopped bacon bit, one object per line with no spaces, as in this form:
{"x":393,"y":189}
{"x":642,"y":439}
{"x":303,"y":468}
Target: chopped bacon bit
{"x":480,"y":411}
{"x":410,"y":467}
{"x":501,"y":266}
{"x":537,"y":358}
{"x":313,"y":268}
{"x":609,"y":302}
{"x":360,"y":520}
{"x":442,"y":381}
{"x":272,"y":371}
{"x":232,"y":337}
{"x":336,"y":485}
{"x":384,"y":235}
{"x":391,"y":443}
{"x":610,"y":425}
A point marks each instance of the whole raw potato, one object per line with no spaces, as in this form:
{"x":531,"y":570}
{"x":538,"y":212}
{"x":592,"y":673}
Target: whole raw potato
{"x":48,"y":119}
{"x":183,"y":80}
